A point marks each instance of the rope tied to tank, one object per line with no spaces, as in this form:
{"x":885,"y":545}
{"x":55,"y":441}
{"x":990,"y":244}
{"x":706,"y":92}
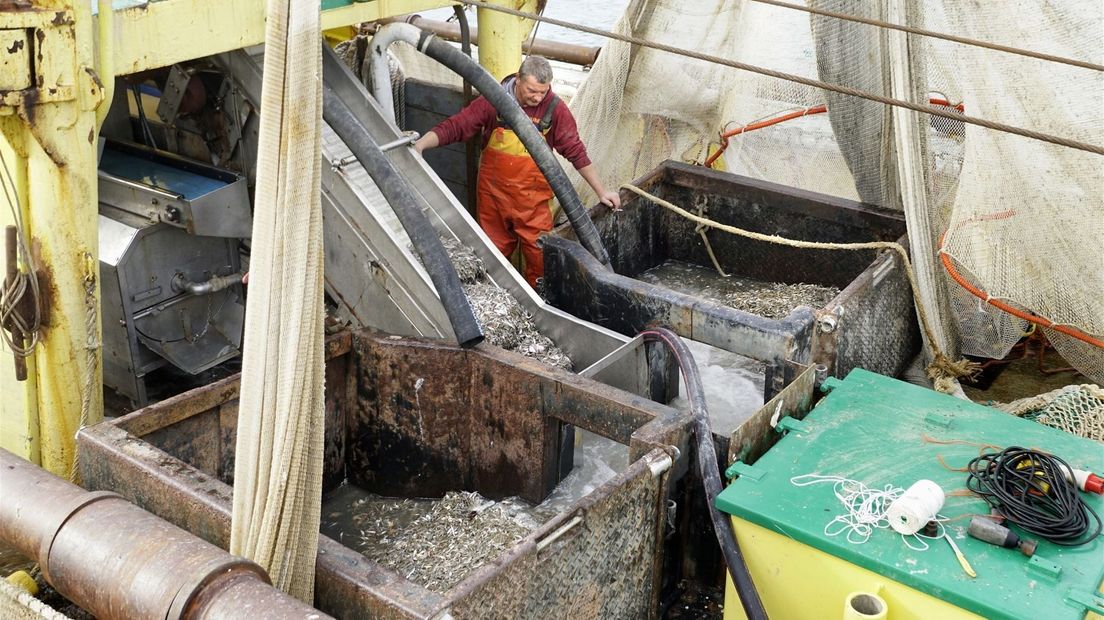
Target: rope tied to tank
{"x":943,"y":371}
{"x":701,"y":229}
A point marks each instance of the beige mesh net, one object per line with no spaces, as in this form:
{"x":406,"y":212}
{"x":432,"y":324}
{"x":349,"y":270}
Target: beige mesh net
{"x":1027,"y":216}
{"x":1021,"y":218}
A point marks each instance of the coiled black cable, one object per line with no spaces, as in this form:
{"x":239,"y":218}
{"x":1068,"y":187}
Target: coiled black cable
{"x":1034,"y":490}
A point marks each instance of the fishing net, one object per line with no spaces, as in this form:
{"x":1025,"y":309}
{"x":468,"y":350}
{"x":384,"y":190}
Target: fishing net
{"x":1076,"y":409}
{"x":1018,"y":219}
{"x":278,"y":465}
{"x":1027,"y":216}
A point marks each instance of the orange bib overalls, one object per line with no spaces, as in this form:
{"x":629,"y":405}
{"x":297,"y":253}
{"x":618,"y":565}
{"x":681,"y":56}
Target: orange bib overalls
{"x":512,"y":195}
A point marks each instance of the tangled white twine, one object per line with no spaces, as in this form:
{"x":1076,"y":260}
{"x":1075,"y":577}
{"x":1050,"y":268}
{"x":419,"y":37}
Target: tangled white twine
{"x":865,"y":510}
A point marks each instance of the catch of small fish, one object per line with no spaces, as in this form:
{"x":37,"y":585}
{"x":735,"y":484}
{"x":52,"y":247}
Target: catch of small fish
{"x":505,"y":323}
{"x":437,"y":543}
{"x":771,"y":300}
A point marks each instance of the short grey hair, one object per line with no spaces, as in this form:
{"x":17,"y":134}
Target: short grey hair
{"x":538,"y":67}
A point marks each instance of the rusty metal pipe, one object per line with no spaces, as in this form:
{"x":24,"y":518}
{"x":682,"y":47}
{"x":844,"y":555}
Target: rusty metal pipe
{"x":116,"y":560}
{"x":554,"y":50}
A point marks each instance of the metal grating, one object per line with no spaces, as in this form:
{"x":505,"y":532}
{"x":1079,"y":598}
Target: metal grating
{"x":605,"y":567}
{"x":877,"y":328}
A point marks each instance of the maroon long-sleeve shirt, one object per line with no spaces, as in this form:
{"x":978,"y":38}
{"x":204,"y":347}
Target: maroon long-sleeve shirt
{"x":480,"y":116}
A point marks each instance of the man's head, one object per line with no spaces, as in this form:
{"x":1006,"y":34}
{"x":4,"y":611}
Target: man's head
{"x":534,"y":80}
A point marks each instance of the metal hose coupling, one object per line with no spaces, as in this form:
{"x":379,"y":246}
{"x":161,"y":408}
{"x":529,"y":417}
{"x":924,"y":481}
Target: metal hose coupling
{"x":181,"y":284}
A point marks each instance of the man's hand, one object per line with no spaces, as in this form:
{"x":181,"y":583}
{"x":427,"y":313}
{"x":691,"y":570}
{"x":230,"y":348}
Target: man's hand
{"x":428,"y":141}
{"x":611,"y":199}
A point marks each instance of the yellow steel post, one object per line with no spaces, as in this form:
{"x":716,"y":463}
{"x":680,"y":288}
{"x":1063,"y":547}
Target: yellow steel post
{"x":501,"y":36}
{"x":50,"y":126}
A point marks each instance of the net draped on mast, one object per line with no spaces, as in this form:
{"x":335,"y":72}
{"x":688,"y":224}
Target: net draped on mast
{"x":278,"y":466}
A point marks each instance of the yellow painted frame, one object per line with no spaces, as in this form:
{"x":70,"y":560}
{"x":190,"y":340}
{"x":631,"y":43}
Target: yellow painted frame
{"x":50,"y":141}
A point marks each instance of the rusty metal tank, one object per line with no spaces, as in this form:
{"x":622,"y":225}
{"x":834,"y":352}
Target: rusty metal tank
{"x":869,"y":324}
{"x":412,"y":418}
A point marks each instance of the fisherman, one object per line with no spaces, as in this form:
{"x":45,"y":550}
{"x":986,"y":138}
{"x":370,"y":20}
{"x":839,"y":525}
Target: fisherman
{"x":512,"y":195}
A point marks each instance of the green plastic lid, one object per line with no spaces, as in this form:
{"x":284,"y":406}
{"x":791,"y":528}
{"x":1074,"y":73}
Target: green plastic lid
{"x":878,"y":431}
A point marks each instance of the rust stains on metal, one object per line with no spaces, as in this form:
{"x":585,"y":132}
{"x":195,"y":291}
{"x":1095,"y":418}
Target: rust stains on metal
{"x":97,"y":83}
{"x":29,"y":103}
{"x":47,"y":288}
{"x":507,"y":411}
{"x":62,"y":18}
{"x":448,"y":419}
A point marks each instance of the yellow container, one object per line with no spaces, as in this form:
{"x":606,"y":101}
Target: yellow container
{"x":798,"y":581}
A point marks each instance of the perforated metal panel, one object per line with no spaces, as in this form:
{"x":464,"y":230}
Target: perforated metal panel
{"x":877,"y":328}
{"x":604,"y":567}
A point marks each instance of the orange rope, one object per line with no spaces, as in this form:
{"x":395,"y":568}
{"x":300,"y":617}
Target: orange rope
{"x":819,"y":109}
{"x":1016,"y":312}
{"x":944,"y":257}
{"x":939,"y":457}
{"x":982,"y":447}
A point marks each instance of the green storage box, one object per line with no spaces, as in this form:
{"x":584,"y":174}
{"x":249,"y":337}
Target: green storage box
{"x":880,"y":431}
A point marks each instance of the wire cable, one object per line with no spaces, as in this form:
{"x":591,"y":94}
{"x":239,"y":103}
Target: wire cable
{"x":143,"y":122}
{"x":25,"y":281}
{"x":937,"y":35}
{"x":1031,"y":489}
{"x":789,"y":77}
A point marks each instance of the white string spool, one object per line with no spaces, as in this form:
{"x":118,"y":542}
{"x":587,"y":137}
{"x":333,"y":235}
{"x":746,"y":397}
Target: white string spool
{"x":920,"y":503}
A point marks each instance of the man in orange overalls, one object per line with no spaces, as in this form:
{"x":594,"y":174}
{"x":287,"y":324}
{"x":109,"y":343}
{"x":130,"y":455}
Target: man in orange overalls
{"x":512,"y":195}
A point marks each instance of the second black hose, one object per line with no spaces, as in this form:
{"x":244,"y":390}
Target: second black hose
{"x":710,"y":473}
{"x":406,"y":205}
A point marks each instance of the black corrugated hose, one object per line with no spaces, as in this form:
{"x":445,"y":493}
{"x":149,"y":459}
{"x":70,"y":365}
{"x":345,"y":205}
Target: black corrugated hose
{"x":409,"y":211}
{"x":707,"y":467}
{"x":534,"y":142}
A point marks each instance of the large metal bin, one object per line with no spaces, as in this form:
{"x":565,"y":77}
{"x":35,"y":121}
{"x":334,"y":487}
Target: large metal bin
{"x":412,"y":418}
{"x":870,"y":324}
